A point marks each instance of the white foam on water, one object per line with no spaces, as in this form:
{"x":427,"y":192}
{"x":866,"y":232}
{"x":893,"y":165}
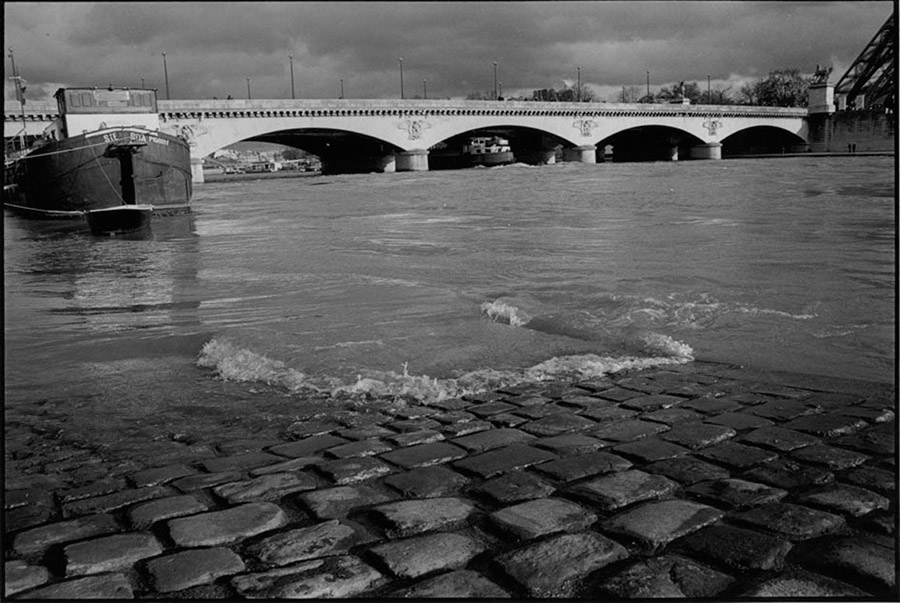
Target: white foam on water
{"x":232,"y":363}
{"x":500,"y":311}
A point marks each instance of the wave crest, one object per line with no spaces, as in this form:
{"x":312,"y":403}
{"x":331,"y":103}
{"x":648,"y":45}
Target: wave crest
{"x":232,"y":363}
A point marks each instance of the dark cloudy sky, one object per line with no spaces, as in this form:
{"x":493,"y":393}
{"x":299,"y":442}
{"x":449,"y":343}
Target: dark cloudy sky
{"x":211,"y":48}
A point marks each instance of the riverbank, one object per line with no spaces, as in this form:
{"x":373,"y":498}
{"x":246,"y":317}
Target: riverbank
{"x":702,"y":480}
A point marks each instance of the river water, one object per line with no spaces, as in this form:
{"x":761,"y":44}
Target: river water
{"x":433,"y":284}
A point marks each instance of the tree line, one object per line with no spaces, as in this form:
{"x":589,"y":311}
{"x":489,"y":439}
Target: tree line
{"x":780,"y":88}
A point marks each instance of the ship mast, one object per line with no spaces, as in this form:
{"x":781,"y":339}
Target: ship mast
{"x":20,"y":95}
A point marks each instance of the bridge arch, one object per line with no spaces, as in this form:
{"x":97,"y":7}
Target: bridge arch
{"x":651,"y":142}
{"x":763,"y":140}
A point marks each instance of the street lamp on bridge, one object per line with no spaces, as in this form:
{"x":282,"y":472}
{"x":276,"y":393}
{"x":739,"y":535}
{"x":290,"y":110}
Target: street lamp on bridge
{"x":401,"y":78}
{"x":708,"y":92}
{"x":425,"y":89}
{"x":166,"y":73}
{"x":291,"y":59}
{"x":578,"y":85}
{"x":495,"y":80}
{"x":648,"y":85}
{"x":342,"y":87}
{"x":248,"y":89}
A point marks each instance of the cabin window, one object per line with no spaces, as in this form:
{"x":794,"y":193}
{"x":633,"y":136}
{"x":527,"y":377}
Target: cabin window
{"x":87,"y":99}
{"x":75,"y":100}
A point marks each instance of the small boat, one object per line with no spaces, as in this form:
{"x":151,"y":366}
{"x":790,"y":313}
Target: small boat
{"x":104,"y":154}
{"x":488,"y":151}
{"x":119,"y":220}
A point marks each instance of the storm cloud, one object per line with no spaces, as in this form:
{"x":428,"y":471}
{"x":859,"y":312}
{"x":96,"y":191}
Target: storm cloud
{"x":212,"y":48}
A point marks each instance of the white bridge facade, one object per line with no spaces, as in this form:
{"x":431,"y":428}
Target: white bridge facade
{"x":400,"y":134}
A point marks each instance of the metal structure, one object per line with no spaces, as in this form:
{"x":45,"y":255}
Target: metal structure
{"x":871,"y":80}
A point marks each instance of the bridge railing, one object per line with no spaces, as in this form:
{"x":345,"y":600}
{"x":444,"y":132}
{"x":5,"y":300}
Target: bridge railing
{"x":47,"y":109}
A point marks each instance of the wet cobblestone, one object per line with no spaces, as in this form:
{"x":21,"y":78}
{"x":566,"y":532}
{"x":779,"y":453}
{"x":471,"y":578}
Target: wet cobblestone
{"x":702,"y":481}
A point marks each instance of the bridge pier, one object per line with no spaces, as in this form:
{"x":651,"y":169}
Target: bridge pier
{"x":197,"y":170}
{"x":586,"y":153}
{"x":710,"y":150}
{"x":415,"y":160}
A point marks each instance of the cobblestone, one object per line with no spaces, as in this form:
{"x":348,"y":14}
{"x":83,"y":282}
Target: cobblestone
{"x":576,"y":467}
{"x":829,"y":456}
{"x":352,"y":471}
{"x":495,"y":462}
{"x":324,"y":539}
{"x":543,"y":516}
{"x":223,"y":527}
{"x":333,"y":577}
{"x":106,"y":586}
{"x":240,"y":462}
{"x":557,"y":424}
{"x":424,"y":455}
{"x":669,"y":576}
{"x":688,"y":470}
{"x":737,"y":456}
{"x":456,"y":584}
{"x":340,"y":501}
{"x":737,"y":548}
{"x":778,"y":489}
{"x":420,"y":555}
{"x":514,"y":487}
{"x":407,"y":518}
{"x":800,"y":584}
{"x":111,"y":502}
{"x":426,"y":482}
{"x":698,"y":435}
{"x":265,"y":487}
{"x":558,"y":566}
{"x":736,"y":493}
{"x":620,"y":489}
{"x":656,"y":524}
{"x":861,"y":561}
{"x":193,"y":483}
{"x":36,"y":540}
{"x":183,"y":570}
{"x":146,"y":514}
{"x":495,"y":438}
{"x":788,"y":474}
{"x":359,"y":448}
{"x":109,"y":553}
{"x":796,"y":522}
{"x":19,"y":576}
{"x":160,"y":475}
{"x":846,"y":499}
{"x":650,"y":450}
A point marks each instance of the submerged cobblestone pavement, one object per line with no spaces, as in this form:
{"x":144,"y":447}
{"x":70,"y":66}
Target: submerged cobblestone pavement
{"x":702,"y":480}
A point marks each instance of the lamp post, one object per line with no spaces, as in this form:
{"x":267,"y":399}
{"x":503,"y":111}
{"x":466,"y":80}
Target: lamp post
{"x":424,"y":89}
{"x":142,"y":82}
{"x":401,"y":78}
{"x":648,"y":84}
{"x":708,"y":92}
{"x":248,"y":89}
{"x":500,"y":89}
{"x":166,"y":73}
{"x":495,"y":80}
{"x":342,"y":87}
{"x":291,"y":59}
{"x":578,"y":89}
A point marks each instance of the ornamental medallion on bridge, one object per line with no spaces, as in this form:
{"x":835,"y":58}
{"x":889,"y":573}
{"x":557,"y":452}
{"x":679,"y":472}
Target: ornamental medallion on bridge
{"x":712,"y":126}
{"x":413,"y":127}
{"x":190,"y":132}
{"x":584,"y":126}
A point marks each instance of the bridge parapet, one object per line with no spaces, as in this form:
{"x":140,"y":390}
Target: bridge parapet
{"x":239,"y":108}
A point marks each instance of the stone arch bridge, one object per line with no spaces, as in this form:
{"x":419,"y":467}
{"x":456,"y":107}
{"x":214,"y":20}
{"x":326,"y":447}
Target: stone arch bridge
{"x":388,"y":135}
